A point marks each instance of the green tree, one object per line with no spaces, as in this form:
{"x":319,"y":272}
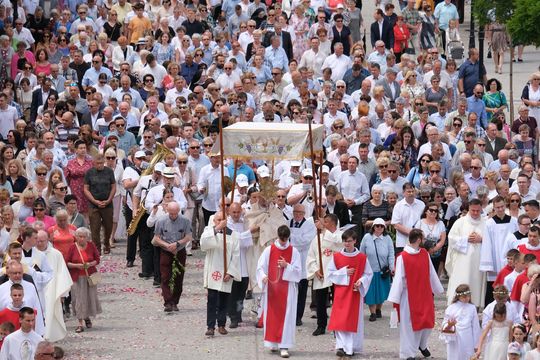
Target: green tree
{"x":486,"y":10}
{"x":522,"y":25}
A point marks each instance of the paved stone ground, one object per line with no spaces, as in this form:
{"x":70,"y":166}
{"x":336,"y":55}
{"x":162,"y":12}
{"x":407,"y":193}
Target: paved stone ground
{"x":134,"y":326}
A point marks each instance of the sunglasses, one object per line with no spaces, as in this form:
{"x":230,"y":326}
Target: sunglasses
{"x":182,"y":161}
{"x":392,"y":171}
{"x":193,"y":147}
{"x":41,"y":174}
{"x":281,"y":196}
{"x":378,"y":226}
{"x":432,"y":210}
{"x":208,"y":145}
{"x":110,"y":157}
{"x":424,"y":160}
{"x":39,"y":209}
{"x":308,"y":177}
{"x":475,"y":167}
{"x":121,"y":125}
{"x":63,"y":188}
{"x":434,"y":171}
{"x":516,"y":201}
{"x":338,"y":127}
{"x":205,"y":126}
{"x":456,"y":124}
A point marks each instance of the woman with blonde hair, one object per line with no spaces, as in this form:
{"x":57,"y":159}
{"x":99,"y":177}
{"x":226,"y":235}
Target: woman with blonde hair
{"x":513,"y":205}
{"x":490,"y":179}
{"x":382,"y":165}
{"x":411,"y":85}
{"x":10,"y":223}
{"x":378,"y":98}
{"x":106,"y":47}
{"x":15,"y":175}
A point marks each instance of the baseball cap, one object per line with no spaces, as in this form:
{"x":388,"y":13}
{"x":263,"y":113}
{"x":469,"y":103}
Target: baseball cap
{"x":325,"y":169}
{"x":340,"y":6}
{"x":140,"y":154}
{"x":514,"y":348}
{"x":159,"y":167}
{"x":307,"y":172}
{"x":242,"y":180}
{"x":295,"y":163}
{"x":378,"y":221}
{"x":263,"y":171}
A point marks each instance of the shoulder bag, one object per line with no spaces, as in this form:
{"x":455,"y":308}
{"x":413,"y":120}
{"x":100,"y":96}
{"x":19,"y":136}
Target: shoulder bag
{"x":385,"y":271}
{"x":95,"y":278}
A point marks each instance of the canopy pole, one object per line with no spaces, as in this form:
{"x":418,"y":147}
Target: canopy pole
{"x":235,"y":172}
{"x":315,"y":198}
{"x":223,"y":195}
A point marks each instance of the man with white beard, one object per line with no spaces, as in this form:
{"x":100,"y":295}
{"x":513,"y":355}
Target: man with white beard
{"x":463,"y":258}
{"x":56,"y":289}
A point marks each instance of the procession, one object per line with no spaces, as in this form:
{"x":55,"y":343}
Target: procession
{"x":262,"y":179}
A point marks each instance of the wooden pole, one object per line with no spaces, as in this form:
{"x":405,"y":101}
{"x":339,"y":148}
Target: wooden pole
{"x":315,"y":198}
{"x":223,"y":195}
{"x":320,"y":185}
{"x":234,"y":180}
{"x":511,"y":74}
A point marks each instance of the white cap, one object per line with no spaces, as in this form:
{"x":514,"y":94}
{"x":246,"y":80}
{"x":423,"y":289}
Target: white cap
{"x":140,"y":154}
{"x":340,"y":6}
{"x":242,"y":180}
{"x":514,"y":348}
{"x":378,"y":221}
{"x":307,"y":172}
{"x":263,"y":171}
{"x":168,"y":172}
{"x":325,"y":169}
{"x":159,"y":167}
{"x":295,"y":163}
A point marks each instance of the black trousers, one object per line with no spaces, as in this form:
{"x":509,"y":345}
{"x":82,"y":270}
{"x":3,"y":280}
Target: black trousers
{"x":357,"y":220}
{"x":489,"y":293}
{"x":302,"y":294}
{"x":207,"y":214}
{"x":146,"y":248}
{"x":131,"y":251}
{"x":157,"y":257}
{"x":321,"y":299}
{"x":216,"y":308}
{"x":236,"y":299}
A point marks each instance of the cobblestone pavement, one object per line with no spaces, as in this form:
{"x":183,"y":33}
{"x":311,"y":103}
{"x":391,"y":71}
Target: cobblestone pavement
{"x":134,"y":326}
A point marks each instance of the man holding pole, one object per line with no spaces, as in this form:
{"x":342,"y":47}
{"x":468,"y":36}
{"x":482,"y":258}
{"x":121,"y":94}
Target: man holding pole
{"x":278,"y":271}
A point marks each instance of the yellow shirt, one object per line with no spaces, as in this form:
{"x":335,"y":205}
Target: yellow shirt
{"x":137,"y":27}
{"x":121,"y":11}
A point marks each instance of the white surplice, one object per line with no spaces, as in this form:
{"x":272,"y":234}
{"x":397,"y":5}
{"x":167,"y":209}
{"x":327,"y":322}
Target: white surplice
{"x":55,"y":290}
{"x":30,"y":299}
{"x":410,"y":340}
{"x":463,"y":259}
{"x":350,"y":342}
{"x":461,"y":345}
{"x":293,"y":274}
{"x":42,"y":276}
{"x":330,"y":243}
{"x":20,"y":345}
{"x":493,"y":250}
{"x":212,"y":245}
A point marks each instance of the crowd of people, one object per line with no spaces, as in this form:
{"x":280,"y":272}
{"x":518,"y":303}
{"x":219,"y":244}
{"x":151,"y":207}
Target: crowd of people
{"x":109,"y":112}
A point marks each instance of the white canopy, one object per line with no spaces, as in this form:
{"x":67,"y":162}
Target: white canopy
{"x":270,"y":140}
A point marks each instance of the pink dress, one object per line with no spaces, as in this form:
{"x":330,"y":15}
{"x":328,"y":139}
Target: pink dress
{"x":301,"y":28}
{"x":48,"y":221}
{"x":46,"y":69}
{"x":74,"y":173}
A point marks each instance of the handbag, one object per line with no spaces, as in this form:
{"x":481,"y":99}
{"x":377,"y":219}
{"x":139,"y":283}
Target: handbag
{"x":385,"y":271}
{"x":489,"y":54}
{"x":95,"y":278}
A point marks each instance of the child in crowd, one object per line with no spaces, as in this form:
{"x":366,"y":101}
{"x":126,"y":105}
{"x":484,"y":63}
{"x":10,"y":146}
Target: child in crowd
{"x":519,"y":266}
{"x":534,"y":354}
{"x":499,"y":328}
{"x":512,"y":257}
{"x":500,"y":294}
{"x":519,"y":335}
{"x":461,"y":329}
{"x":6,"y":328}
{"x":517,"y":295}
{"x":514,"y":351}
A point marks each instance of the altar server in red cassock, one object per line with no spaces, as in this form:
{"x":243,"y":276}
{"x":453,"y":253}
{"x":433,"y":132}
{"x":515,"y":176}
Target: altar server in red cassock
{"x":278,"y":272}
{"x":351,"y":274}
{"x":415,"y":282}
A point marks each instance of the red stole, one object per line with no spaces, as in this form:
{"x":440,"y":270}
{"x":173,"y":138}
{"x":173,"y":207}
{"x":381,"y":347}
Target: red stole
{"x":420,"y":294}
{"x":523,"y":249}
{"x":505,"y":271}
{"x":344,"y":316}
{"x":278,"y":291}
{"x":521,"y":280}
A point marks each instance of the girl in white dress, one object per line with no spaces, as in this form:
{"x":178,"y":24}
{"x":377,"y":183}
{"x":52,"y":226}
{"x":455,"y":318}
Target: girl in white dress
{"x":496,"y":348}
{"x":519,"y":335}
{"x":461,"y":327}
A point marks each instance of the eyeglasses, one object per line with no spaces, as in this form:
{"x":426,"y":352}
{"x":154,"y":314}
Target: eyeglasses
{"x":308,"y":177}
{"x":208,"y":145}
{"x":432,"y":210}
{"x":39,"y":209}
{"x":63,"y":188}
{"x":456,"y":124}
{"x":228,"y":68}
{"x":434,"y":171}
{"x":148,"y":80}
{"x":41,"y":174}
{"x":182,"y":161}
{"x":392,"y":171}
{"x":480,"y":144}
{"x":193,"y":147}
{"x":110,"y":157}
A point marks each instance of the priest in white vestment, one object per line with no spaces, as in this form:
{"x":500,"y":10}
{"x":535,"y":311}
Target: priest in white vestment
{"x":278,"y":272}
{"x":22,"y":344}
{"x":55,"y":290}
{"x":463,"y":258}
{"x":410,"y":340}
{"x":15,"y":274}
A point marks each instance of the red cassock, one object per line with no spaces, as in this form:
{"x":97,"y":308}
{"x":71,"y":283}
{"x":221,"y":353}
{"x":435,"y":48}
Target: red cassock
{"x":521,"y":280}
{"x":421,"y":305}
{"x":523,"y":249}
{"x":505,"y":271}
{"x":278,"y":291}
{"x":10,"y":315}
{"x":346,"y":307}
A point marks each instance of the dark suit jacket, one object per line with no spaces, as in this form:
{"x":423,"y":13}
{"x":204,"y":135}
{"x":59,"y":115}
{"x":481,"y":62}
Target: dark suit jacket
{"x":388,"y":92}
{"x":341,"y":211}
{"x":286,"y":42}
{"x":86,"y":119}
{"x":387,"y":34}
{"x":37,"y":101}
{"x":499,"y":145}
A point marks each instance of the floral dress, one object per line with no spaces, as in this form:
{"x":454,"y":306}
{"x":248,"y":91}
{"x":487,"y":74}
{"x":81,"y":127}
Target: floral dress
{"x":75,"y":177}
{"x":301,"y":28}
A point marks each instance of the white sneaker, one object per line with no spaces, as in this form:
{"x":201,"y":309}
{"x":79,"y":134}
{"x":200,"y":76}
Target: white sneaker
{"x":274,"y":350}
{"x":284,"y":353}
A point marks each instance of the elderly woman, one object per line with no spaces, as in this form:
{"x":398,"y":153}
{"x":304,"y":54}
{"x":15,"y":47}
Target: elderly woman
{"x":382,"y":165}
{"x":23,"y":208}
{"x":75,"y":171}
{"x":434,"y":94}
{"x":75,"y":217}
{"x":82,"y":259}
{"x":525,"y":144}
{"x":416,"y":89}
{"x":10,"y":224}
{"x":62,"y":234}
{"x":379,"y":248}
{"x":490,"y":179}
{"x":375,"y":208}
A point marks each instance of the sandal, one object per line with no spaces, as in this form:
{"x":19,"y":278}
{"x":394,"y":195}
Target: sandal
{"x":107,"y":251}
{"x":88,"y":323}
{"x":79,"y":329}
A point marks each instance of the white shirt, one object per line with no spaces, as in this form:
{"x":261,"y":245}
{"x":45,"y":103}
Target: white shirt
{"x":172,"y":94}
{"x":8,"y":117}
{"x":395,"y":186}
{"x":19,"y":344}
{"x":407,"y":215}
{"x":225,"y":81}
{"x":354,"y":186}
{"x":313,"y":60}
{"x":339,"y":65}
{"x":158,"y":72}
{"x":210,"y":181}
{"x":25,"y":35}
{"x":155,"y":196}
{"x":328,"y":120}
{"x":302,"y":232}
